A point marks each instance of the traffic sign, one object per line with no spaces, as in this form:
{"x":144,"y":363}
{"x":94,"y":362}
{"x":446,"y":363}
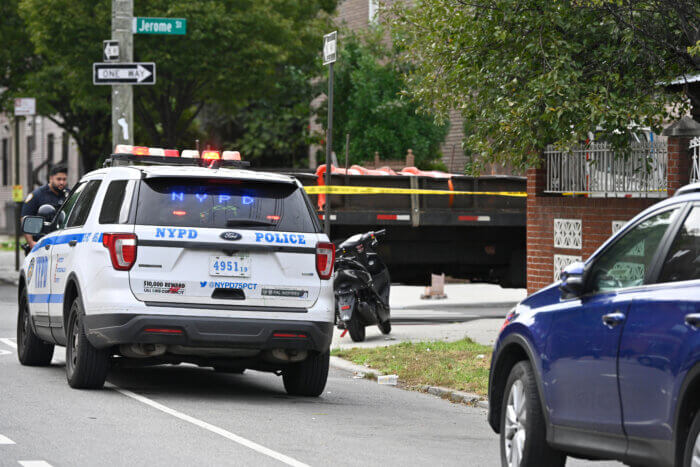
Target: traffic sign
{"x":159,"y":26}
{"x":25,"y":106}
{"x":110,"y":51}
{"x":124,"y":73}
{"x":329,"y":47}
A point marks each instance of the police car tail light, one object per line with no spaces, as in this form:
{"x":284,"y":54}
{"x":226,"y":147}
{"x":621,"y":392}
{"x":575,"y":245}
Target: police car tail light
{"x":211,"y":155}
{"x":231,"y":156}
{"x":325,"y":256}
{"x":122,"y":249}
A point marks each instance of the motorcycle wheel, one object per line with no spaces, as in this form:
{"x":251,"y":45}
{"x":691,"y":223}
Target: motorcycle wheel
{"x":385,"y":327}
{"x":356,"y":329}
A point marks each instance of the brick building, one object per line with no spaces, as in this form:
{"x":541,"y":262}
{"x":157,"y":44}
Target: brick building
{"x":42,"y":143}
{"x":572,"y":209}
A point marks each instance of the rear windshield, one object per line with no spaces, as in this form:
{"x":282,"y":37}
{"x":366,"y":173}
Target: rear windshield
{"x":223,"y":203}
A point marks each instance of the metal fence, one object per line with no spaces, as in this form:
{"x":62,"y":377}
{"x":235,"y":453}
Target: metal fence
{"x":595,"y":169}
{"x":695,"y":150}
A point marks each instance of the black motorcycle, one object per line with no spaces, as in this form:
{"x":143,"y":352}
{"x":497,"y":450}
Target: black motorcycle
{"x":361,"y":286}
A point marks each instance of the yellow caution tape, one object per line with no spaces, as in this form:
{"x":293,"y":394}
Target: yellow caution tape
{"x":368,"y":190}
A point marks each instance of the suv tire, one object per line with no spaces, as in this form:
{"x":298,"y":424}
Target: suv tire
{"x":31,"y":350}
{"x":86,"y":366}
{"x":308,"y":377}
{"x":524,"y":443}
{"x":692,"y":443}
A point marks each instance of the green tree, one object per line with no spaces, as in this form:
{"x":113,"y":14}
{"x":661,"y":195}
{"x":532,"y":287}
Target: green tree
{"x":16,"y":54}
{"x":234,"y":53}
{"x":369,"y":106}
{"x":526,"y":74}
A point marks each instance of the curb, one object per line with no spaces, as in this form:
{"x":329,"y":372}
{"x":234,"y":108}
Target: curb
{"x":445,"y":393}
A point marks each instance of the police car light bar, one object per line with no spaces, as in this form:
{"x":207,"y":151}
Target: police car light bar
{"x":125,"y":153}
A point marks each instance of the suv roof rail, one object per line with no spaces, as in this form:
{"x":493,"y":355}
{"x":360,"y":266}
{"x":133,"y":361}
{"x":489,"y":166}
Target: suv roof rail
{"x":116,"y":160}
{"x":684,"y":190}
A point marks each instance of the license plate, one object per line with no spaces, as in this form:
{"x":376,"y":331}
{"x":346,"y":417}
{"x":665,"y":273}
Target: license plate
{"x":232,"y":266}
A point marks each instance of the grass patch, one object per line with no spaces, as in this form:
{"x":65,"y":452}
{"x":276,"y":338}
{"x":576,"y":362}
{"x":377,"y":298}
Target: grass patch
{"x":455,"y":365}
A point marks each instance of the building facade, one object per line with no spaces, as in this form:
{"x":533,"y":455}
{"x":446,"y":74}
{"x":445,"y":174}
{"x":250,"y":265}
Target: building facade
{"x":26,"y":161}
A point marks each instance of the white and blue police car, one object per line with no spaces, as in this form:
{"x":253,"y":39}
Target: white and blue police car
{"x":175,"y":258}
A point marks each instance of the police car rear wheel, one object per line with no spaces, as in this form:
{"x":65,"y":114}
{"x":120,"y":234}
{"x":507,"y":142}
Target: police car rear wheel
{"x":31,"y":350}
{"x":307,"y":378}
{"x":86,"y":366}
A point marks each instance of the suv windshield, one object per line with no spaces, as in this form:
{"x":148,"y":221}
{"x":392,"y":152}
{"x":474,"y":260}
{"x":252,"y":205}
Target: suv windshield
{"x":223,"y":203}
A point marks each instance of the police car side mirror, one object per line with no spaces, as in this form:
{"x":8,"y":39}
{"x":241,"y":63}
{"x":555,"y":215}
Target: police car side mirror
{"x":32,"y":225}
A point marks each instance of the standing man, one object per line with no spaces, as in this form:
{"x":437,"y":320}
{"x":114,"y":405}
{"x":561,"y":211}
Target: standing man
{"x":54,"y":193}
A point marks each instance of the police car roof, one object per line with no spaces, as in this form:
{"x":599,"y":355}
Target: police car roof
{"x":175,"y":171}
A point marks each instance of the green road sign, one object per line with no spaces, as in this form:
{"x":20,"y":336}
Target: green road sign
{"x":159,"y":26}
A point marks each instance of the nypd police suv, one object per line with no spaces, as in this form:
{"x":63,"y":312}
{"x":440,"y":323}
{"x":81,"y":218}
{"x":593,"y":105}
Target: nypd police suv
{"x":171,"y":258}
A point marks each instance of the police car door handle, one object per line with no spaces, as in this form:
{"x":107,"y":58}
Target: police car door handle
{"x":693,"y":319}
{"x":613,"y":319}
{"x":73,"y":243}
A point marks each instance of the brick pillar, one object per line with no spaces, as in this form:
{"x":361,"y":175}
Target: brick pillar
{"x":537,"y":240}
{"x":679,"y":156}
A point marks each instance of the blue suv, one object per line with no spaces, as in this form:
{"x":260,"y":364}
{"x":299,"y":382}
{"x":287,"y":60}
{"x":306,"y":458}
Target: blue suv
{"x":605,"y":364}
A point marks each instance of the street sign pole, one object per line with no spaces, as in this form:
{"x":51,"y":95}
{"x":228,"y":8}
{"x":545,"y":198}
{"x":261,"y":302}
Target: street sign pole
{"x":122,"y":94}
{"x":18,"y":205}
{"x":329,"y":57}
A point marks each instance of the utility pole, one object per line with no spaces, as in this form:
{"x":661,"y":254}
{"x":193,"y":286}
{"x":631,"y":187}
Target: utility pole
{"x":123,"y":95}
{"x":330,"y":55}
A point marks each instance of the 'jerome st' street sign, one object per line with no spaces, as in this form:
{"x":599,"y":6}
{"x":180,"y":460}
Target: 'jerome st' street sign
{"x":124,"y":73}
{"x":159,"y":26}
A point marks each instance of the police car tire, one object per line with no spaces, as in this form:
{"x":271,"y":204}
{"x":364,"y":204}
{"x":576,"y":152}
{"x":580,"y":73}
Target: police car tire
{"x":307,"y":378}
{"x":31,"y":350}
{"x":356,"y":329}
{"x":86,"y":366}
{"x":536,"y":450}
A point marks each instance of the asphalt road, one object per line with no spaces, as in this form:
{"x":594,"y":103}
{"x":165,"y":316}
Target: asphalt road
{"x":193,"y":416}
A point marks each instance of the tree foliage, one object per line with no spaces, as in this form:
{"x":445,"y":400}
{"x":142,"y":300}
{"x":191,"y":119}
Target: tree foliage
{"x":235,"y":54}
{"x":527,"y":74}
{"x":369,"y":106}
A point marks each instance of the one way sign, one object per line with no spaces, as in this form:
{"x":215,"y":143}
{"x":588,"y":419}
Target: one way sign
{"x":124,"y":73}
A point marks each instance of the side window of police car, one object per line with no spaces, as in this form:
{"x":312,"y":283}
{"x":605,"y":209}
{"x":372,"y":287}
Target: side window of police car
{"x":683,"y":260}
{"x":627,"y":261}
{"x":67,"y":208}
{"x":117,"y":201}
{"x":80,"y":211}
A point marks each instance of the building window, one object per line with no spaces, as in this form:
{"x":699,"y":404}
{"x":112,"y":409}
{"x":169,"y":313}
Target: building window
{"x":373,"y":9}
{"x":50,"y":149}
{"x":64,"y":148}
{"x":5,"y":161}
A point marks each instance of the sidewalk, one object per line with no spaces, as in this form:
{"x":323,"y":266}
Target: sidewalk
{"x":405,"y":300}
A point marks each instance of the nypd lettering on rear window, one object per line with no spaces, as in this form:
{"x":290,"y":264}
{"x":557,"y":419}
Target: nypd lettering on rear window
{"x":280,"y":238}
{"x":167,"y":232}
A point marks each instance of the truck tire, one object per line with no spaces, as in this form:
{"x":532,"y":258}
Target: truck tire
{"x":523,"y":434}
{"x":307,"y":378}
{"x":356,"y":329}
{"x":86,"y":366}
{"x":31,"y":350}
